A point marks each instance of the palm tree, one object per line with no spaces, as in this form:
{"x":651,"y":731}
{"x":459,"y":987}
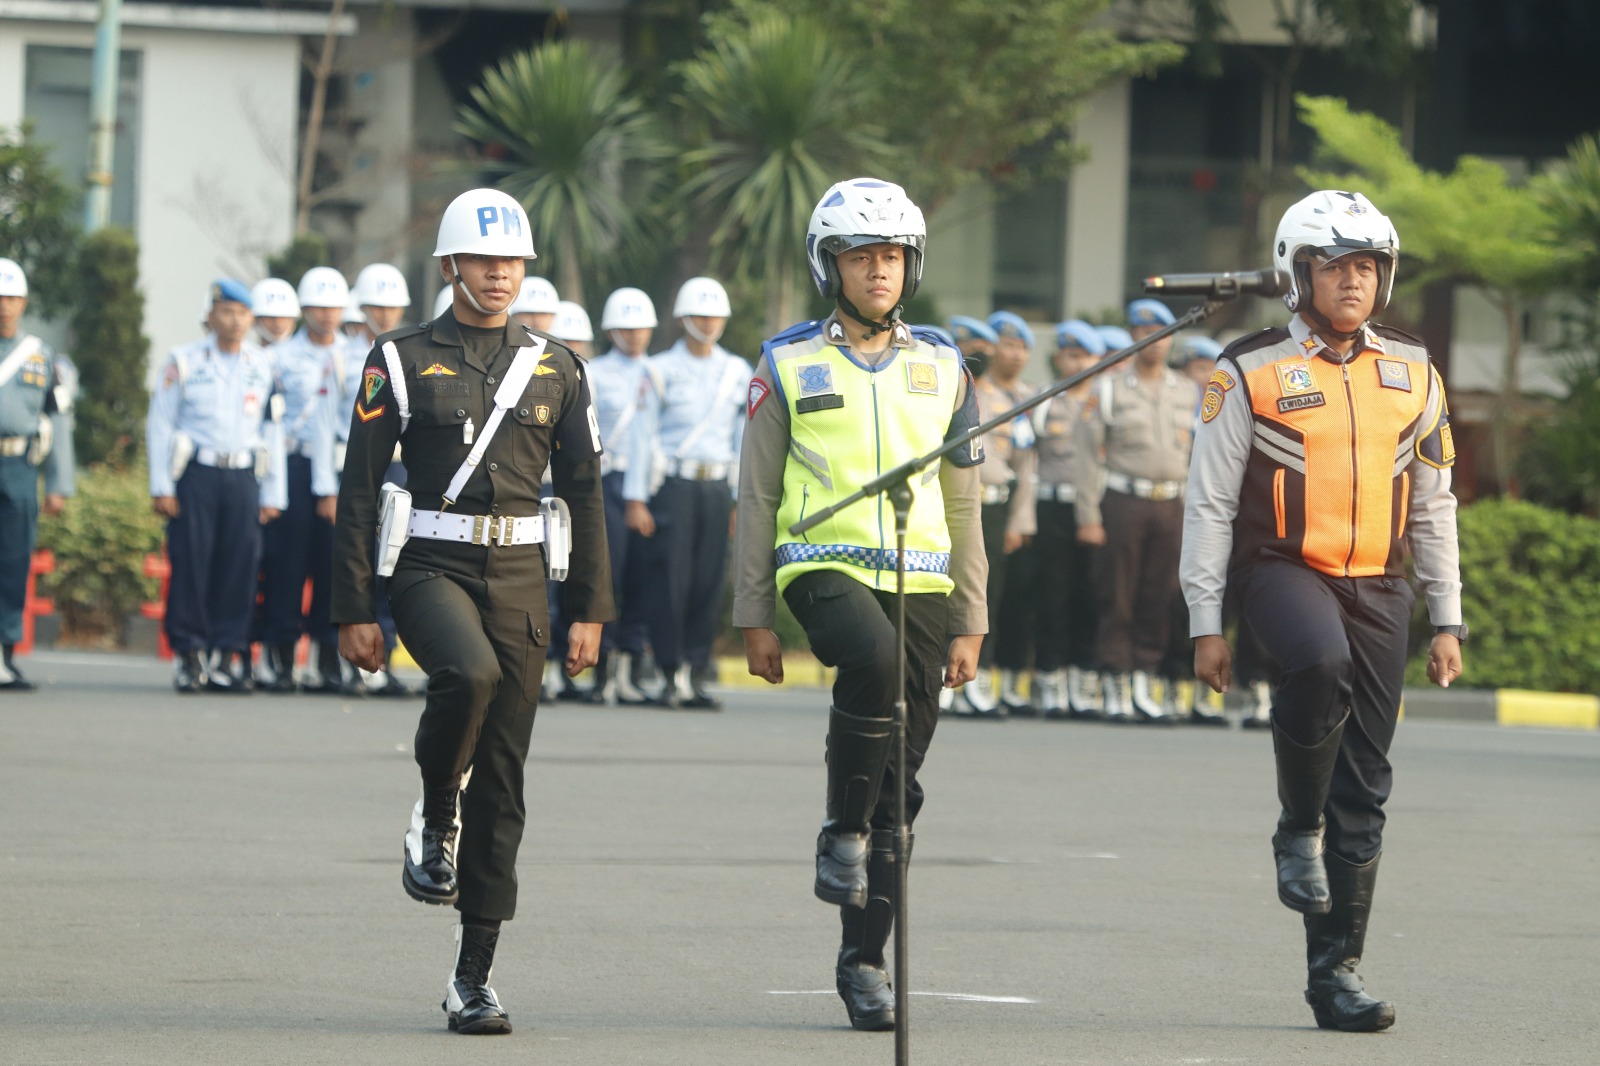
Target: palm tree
{"x":577,"y":147}
{"x":783,"y":116}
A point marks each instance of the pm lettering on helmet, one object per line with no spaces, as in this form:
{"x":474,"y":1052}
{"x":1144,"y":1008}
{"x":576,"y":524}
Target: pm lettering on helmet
{"x":510,"y":220}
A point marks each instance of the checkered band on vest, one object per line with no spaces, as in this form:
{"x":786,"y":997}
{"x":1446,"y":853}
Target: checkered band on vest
{"x":866,"y":558}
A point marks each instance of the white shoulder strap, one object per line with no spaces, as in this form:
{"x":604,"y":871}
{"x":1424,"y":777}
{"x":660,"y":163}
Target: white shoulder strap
{"x":26,"y":349}
{"x":506,"y":396}
{"x":397,"y":382}
{"x":730,"y":374}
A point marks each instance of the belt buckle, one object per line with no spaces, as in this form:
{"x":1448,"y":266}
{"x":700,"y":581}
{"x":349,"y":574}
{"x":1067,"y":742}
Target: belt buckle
{"x":490,"y":530}
{"x":1162,"y":491}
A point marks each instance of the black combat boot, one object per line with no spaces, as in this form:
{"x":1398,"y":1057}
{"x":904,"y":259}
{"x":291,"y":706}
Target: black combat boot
{"x":11,"y":678}
{"x":1304,"y":775}
{"x":1334,"y":942}
{"x":469,"y":1003}
{"x":230,"y":672}
{"x":861,"y":975}
{"x":429,"y":874}
{"x":279,"y":676}
{"x":189,"y":676}
{"x":857,"y":751}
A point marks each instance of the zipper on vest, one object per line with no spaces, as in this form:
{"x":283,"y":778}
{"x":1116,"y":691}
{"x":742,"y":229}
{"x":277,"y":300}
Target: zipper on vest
{"x":877,"y":466}
{"x":805,"y":498}
{"x":1355,"y":488}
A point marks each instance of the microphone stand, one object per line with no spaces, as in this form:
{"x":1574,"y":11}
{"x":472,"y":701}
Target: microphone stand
{"x":896,"y":485}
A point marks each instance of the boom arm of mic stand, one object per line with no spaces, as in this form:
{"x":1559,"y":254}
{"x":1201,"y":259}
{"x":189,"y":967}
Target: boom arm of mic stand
{"x":903,"y":473}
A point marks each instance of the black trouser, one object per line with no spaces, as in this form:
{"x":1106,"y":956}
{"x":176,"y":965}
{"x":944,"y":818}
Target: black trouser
{"x":484,"y":656}
{"x":1015,"y":623}
{"x":994,"y":517}
{"x":19,"y":523}
{"x":1067,"y":613}
{"x":851,"y":627}
{"x":1138,"y":577}
{"x":215,"y":546}
{"x":630,"y":568}
{"x":1339,"y":644}
{"x":296,"y":545}
{"x":691,"y":552}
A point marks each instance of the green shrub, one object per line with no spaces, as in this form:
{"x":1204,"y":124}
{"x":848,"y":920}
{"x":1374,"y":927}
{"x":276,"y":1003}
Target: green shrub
{"x":109,"y":346}
{"x":1529,"y":580}
{"x":100,"y":542}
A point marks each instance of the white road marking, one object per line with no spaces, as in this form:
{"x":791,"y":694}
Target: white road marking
{"x":962,"y":997}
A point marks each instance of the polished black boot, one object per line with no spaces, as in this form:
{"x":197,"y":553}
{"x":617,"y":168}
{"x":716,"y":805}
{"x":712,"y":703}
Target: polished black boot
{"x":469,"y":1003}
{"x":429,"y":874}
{"x":230,"y":672}
{"x":279,"y":674}
{"x":1304,"y":775}
{"x":11,"y":678}
{"x":700,"y":697}
{"x":861,"y":976}
{"x":189,"y":676}
{"x":857,"y":751}
{"x":1334,"y":943}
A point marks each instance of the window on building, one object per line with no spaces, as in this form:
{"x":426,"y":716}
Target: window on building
{"x":57,"y":103}
{"x":1030,"y":227}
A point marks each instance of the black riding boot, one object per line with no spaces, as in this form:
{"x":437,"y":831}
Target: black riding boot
{"x":857,"y":751}
{"x":469,"y":1003}
{"x":1333,"y":951}
{"x":861,"y":976}
{"x":429,"y":874}
{"x":280,"y":667}
{"x":1304,"y":775}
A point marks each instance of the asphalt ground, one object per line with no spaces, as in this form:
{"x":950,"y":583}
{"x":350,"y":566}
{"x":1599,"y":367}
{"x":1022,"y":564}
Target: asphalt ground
{"x":216,"y":879}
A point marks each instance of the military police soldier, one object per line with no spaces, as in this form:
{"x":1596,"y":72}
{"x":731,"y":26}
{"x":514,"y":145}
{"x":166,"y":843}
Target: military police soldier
{"x":537,"y":304}
{"x":36,"y":394}
{"x":571,"y":327}
{"x":691,"y":426}
{"x":1138,"y":423}
{"x":831,"y":405}
{"x":975,"y":340}
{"x":468,"y":583}
{"x":276,"y":309}
{"x":217,"y":474}
{"x":1324,"y":448}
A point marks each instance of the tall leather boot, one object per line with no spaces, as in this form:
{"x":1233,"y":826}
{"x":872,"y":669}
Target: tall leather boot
{"x":858,"y":750}
{"x":279,"y":674}
{"x":1304,"y":775}
{"x":429,"y":874}
{"x":470,"y":1005}
{"x":1334,"y":942}
{"x":861,"y":976}
{"x":11,"y":678}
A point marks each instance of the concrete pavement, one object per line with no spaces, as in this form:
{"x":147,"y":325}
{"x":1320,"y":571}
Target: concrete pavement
{"x":216,"y":880}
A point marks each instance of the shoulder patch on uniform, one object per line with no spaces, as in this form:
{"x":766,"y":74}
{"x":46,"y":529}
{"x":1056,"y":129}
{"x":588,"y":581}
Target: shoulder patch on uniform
{"x":372,"y":383}
{"x":1261,"y":338}
{"x":1221,"y":379}
{"x":759,"y":390}
{"x":1211,"y":405}
{"x":366,"y":414}
{"x":437,"y":370}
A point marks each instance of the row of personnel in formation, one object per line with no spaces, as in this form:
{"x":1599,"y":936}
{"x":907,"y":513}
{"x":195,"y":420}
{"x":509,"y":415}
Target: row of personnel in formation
{"x":1321,"y":458}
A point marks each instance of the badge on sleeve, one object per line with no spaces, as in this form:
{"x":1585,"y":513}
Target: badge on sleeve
{"x":758,"y":392}
{"x":1211,"y":405}
{"x":1222,"y":379}
{"x":373,"y":383}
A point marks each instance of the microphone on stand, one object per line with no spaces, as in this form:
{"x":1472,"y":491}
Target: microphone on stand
{"x":1220,"y":286}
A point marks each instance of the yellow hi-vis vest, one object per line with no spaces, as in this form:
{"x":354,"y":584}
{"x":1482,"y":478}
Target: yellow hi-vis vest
{"x":848,"y":423}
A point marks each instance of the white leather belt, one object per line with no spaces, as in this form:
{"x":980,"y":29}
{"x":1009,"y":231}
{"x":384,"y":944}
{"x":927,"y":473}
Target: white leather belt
{"x":299,"y":447}
{"x":14,"y":446}
{"x":690,"y":470}
{"x":993,"y":494}
{"x":1143,"y":487}
{"x":243,"y":459}
{"x":501,"y":531}
{"x":1057,"y":493}
{"x":613,"y":464}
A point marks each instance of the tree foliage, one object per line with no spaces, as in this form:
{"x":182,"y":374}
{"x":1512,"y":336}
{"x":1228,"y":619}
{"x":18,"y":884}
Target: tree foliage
{"x":566,"y":136}
{"x":109,"y":347}
{"x":298,"y":256}
{"x":37,"y":227}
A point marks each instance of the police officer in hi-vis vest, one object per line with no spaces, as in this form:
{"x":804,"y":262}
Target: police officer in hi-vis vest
{"x":481,"y":405}
{"x":832,"y":404}
{"x":36,"y":394}
{"x":1323,"y":449}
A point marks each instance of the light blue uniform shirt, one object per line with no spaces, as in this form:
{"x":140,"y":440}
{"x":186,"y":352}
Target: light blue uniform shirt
{"x":618,"y":385}
{"x":306,"y":379}
{"x":43,"y":386}
{"x":686,"y":392}
{"x":222,"y":401}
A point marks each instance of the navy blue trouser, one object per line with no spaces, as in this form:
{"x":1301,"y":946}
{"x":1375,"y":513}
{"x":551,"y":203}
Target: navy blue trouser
{"x":630,"y":568}
{"x":296,"y":545}
{"x":19,"y":522}
{"x":214,"y":545}
{"x":1068,"y":614}
{"x":691,"y":549}
{"x":1340,"y":644}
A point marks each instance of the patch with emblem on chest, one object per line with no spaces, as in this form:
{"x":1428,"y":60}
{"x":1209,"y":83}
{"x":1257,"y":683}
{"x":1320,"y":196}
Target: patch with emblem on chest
{"x":1394,"y":374}
{"x":922,"y":377}
{"x":541,"y":413}
{"x":1295,"y":378}
{"x":437,"y":370}
{"x":816,"y":389}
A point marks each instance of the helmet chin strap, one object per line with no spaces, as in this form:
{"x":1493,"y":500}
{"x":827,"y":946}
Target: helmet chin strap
{"x":1325,"y":327}
{"x":455,"y":279}
{"x":702,"y":338}
{"x":874,"y":327}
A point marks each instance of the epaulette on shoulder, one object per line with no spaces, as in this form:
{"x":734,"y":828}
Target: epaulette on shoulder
{"x":411,"y":329}
{"x":930,"y":335}
{"x":1250,"y":342}
{"x":798,"y":332}
{"x":1396,"y":333}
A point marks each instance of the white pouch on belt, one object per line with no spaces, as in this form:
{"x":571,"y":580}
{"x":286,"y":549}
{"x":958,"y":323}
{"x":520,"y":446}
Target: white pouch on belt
{"x":394,"y":525}
{"x":182,"y":451}
{"x":557,"y":536}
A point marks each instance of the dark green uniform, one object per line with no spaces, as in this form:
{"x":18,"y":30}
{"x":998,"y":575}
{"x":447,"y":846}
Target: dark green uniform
{"x":474,"y":617}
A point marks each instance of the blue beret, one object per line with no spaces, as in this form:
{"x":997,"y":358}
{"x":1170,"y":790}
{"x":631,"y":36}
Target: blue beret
{"x":1010,"y":324}
{"x":1148,"y":312}
{"x":228,"y":289}
{"x":964,"y":328}
{"x":1197,"y":347}
{"x":1077,"y":331}
{"x":1116,"y":338}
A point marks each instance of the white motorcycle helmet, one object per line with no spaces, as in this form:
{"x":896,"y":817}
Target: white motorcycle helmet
{"x":537,"y":297}
{"x":485,"y":222}
{"x":702,"y":297}
{"x":380,"y":285}
{"x":13,"y":282}
{"x":858,"y":212}
{"x":274,"y":298}
{"x":1327,"y":225}
{"x":323,"y":287}
{"x":572,"y":323}
{"x":628,"y":308}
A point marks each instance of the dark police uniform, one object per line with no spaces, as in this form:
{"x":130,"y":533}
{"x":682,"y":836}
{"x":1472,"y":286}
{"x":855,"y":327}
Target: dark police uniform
{"x":474,"y":616}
